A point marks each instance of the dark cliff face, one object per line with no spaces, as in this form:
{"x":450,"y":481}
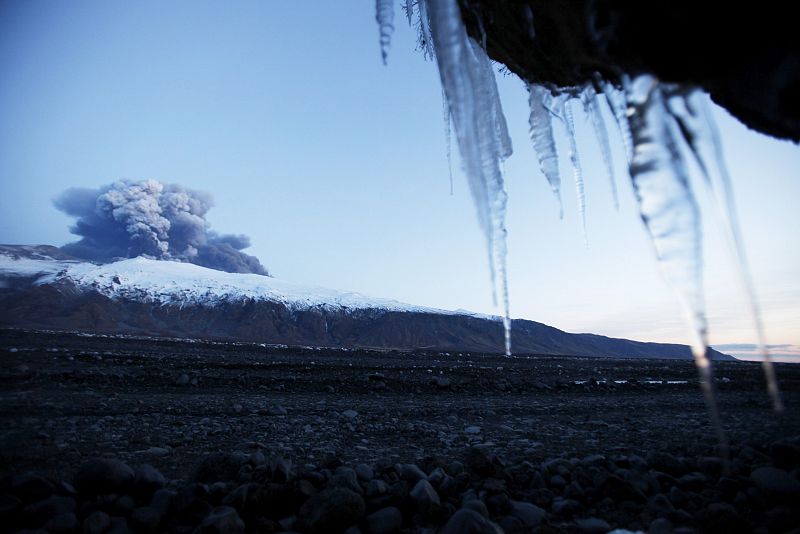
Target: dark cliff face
{"x":63,"y":307}
{"x":747,"y":57}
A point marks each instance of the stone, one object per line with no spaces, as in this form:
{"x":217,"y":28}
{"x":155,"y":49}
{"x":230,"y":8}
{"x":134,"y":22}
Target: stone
{"x":592,"y":525}
{"x":376,"y":488}
{"x":720,"y":516}
{"x":102,"y":476}
{"x":442,"y":382}
{"x":710,"y":465}
{"x":156,"y":452}
{"x":221,"y":520}
{"x":145,"y":519}
{"x":274,"y":410}
{"x":62,"y":524}
{"x":364,"y":472}
{"x":478,"y":506}
{"x":660,"y":526}
{"x":494,"y":485}
{"x":9,"y":505}
{"x":424,"y":495}
{"x":466,"y":521}
{"x":31,"y":488}
{"x":565,"y":507}
{"x":182,"y":380}
{"x":162,"y":500}
{"x":692,"y":481}
{"x":436,"y":476}
{"x":350,"y":414}
{"x":384,"y":521}
{"x":40,"y":512}
{"x":346,"y":477}
{"x":410,"y":472}
{"x":659,"y":505}
{"x":455,"y":468}
{"x":530,"y":514}
{"x":785,"y":455}
{"x":331,"y":510}
{"x":118,"y":526}
{"x":96,"y":523}
{"x":474,"y":430}
{"x":280,"y":469}
{"x":147,"y":480}
{"x":220,"y":466}
{"x":619,"y":489}
{"x":123,"y":505}
{"x":663,"y":461}
{"x":511,"y":525}
{"x":479,"y":460}
{"x":776,"y":484}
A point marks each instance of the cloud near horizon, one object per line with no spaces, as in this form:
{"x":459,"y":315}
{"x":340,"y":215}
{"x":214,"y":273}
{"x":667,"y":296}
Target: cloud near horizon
{"x":783,"y":352}
{"x":129,"y":218}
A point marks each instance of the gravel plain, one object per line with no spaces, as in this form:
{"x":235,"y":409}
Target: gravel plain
{"x":381,"y":441}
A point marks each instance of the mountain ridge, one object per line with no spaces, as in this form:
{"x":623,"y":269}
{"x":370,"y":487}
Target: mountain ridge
{"x":140,"y":296}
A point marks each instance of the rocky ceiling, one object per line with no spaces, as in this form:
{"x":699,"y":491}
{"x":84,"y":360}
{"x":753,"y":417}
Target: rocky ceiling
{"x":746,"y":55}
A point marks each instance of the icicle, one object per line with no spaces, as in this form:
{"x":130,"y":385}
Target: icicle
{"x":384,"y":15}
{"x":699,"y":130}
{"x":565,"y":113}
{"x":592,"y":108}
{"x":446,"y":113}
{"x":541,"y":134}
{"x":672,"y":218}
{"x":424,"y":30}
{"x":483,"y":141}
{"x":619,"y":108}
{"x":409,"y":9}
{"x":492,"y":98}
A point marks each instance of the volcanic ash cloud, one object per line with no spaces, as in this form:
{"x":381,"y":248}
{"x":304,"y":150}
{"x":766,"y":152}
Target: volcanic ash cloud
{"x":128,"y":218}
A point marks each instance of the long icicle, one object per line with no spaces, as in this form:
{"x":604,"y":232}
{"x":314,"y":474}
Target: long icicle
{"x":447,"y":140}
{"x":592,"y":109}
{"x":700,"y":132}
{"x":384,"y":15}
{"x":565,"y":112}
{"x":479,"y":125}
{"x":619,"y":109}
{"x":540,"y":130}
{"x":671,"y":216}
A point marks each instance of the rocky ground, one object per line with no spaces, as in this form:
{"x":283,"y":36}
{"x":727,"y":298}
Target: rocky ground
{"x":115,"y":435}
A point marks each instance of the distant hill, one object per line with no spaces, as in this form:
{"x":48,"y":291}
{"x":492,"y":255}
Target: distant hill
{"x":42,"y":288}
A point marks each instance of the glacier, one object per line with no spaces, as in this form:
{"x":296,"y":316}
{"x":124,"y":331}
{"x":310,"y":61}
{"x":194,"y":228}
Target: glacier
{"x":658,"y":123}
{"x":165,"y":282}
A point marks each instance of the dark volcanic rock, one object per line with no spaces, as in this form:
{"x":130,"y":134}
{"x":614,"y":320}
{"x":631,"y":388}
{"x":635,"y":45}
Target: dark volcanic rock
{"x":222,"y":520}
{"x":467,"y":521}
{"x":776,"y":483}
{"x":96,"y":523}
{"x":749,"y":64}
{"x":220,"y":466}
{"x":384,"y":521}
{"x":104,"y":475}
{"x":30,"y":487}
{"x":147,"y":480}
{"x":332,"y":510}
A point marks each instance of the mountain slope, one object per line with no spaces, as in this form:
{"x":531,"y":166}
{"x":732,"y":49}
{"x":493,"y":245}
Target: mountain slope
{"x":40,"y":289}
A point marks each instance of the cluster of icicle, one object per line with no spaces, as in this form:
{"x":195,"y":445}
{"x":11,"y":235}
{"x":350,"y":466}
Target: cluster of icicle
{"x":658,"y":123}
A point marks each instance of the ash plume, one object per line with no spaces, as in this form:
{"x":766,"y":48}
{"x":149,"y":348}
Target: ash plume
{"x":148,"y":218}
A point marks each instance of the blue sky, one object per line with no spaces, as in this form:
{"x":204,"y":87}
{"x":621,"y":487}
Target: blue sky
{"x":335,"y":165}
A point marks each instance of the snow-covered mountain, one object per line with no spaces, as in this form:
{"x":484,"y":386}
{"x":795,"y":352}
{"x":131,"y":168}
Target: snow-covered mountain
{"x":171,"y":283}
{"x":40,"y":287}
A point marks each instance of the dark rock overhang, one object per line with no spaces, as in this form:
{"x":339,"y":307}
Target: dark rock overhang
{"x":746,"y":56}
